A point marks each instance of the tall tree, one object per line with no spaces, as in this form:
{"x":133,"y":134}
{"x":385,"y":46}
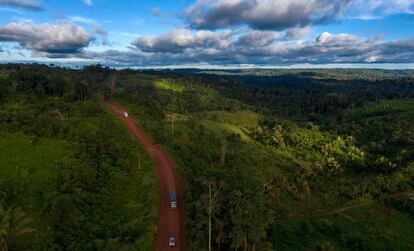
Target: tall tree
{"x":215,"y":191}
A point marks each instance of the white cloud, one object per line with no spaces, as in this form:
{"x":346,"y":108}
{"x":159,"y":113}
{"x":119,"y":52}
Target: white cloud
{"x":88,"y":2}
{"x":179,"y":39}
{"x":84,"y":20}
{"x":296,"y":33}
{"x":262,"y":14}
{"x":184,"y":46}
{"x":328,"y":38}
{"x":46,"y":38}
{"x":376,"y":9}
{"x":284,"y":14}
{"x":156,"y":11}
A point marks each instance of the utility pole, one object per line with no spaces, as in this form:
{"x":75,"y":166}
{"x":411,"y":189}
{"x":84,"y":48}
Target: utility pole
{"x":172,"y":124}
{"x":139,"y":163}
{"x":171,"y":118}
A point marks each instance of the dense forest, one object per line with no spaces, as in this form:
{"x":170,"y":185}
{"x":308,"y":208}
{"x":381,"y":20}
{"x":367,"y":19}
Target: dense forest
{"x":270,"y":159}
{"x":71,"y":178}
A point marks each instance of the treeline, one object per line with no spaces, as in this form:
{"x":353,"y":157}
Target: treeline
{"x":300,"y":97}
{"x":41,"y":80}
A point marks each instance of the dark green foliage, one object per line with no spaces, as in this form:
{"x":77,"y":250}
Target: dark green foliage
{"x":372,"y":227}
{"x":74,"y":169}
{"x":274,"y":159}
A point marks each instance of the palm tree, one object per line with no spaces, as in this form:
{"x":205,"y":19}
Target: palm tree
{"x":13,"y":222}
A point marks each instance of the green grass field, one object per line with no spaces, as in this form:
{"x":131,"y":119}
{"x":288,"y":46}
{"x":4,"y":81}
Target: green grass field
{"x":240,"y":122}
{"x":163,"y":84}
{"x":221,"y":128}
{"x":247,"y":119}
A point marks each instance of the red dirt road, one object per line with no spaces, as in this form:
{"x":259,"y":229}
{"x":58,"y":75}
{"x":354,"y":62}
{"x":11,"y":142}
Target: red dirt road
{"x":171,"y":221}
{"x":113,"y":81}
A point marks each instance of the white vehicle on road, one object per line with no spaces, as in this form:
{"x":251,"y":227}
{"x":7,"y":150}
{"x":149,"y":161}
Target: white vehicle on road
{"x":171,"y":241}
{"x":125,"y":114}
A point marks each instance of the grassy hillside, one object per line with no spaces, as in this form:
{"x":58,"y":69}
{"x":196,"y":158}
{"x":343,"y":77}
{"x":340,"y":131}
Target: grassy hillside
{"x":247,"y":119}
{"x":165,"y":85}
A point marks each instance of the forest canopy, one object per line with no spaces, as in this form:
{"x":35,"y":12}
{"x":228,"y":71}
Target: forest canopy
{"x":270,"y":159}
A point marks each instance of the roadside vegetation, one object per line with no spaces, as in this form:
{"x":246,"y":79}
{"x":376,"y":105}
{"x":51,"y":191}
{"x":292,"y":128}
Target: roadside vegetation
{"x":69,"y":172}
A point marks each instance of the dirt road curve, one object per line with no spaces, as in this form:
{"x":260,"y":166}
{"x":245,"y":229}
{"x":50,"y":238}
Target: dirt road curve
{"x":171,"y":221}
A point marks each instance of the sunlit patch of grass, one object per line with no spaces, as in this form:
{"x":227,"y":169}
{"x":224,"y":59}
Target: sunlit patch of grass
{"x":246,"y":118}
{"x":219,"y":128}
{"x":163,"y":84}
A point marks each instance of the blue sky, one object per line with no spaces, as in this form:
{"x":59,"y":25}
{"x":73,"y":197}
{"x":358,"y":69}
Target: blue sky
{"x":209,"y":33}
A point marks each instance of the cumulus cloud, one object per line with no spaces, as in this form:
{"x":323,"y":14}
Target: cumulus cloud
{"x":184,"y":46}
{"x":26,"y":4}
{"x":257,"y":38}
{"x":374,"y":9}
{"x":180,"y":39}
{"x":101,"y":37}
{"x":269,"y":32}
{"x":284,"y":14}
{"x":46,"y":38}
{"x":262,"y":14}
{"x":223,"y":47}
{"x":296,"y":33}
{"x":327,"y":38}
